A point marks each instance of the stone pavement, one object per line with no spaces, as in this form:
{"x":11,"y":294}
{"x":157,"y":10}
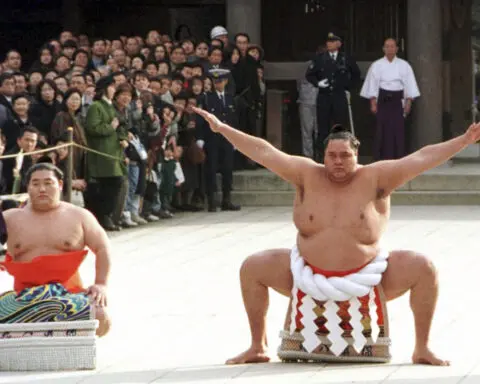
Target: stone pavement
{"x":178,"y":314}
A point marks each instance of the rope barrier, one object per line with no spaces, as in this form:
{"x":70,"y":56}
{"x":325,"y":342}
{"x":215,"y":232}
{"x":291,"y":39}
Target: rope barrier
{"x":35,"y":152}
{"x":16,"y":187}
{"x":73,"y":144}
{"x":15,"y":196}
{"x":97,"y":152}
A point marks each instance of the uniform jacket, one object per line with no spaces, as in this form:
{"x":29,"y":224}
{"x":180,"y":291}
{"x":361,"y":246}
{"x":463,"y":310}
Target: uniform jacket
{"x":343,"y":73}
{"x":227,"y":114}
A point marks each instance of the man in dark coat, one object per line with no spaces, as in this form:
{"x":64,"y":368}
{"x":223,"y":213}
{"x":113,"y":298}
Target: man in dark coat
{"x":217,"y":149}
{"x":333,"y":73}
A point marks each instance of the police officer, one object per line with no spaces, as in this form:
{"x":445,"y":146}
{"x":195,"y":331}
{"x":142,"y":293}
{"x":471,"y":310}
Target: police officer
{"x":333,"y":73}
{"x":219,"y":152}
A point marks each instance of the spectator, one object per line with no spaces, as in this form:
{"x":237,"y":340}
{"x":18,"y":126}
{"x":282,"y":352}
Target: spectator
{"x":80,"y":58}
{"x":45,"y":106}
{"x":62,"y":85}
{"x":21,"y":82}
{"x":13,"y":62}
{"x":193,"y":155}
{"x":45,"y":61}
{"x":164,"y":68}
{"x":160,"y":71}
{"x":14,"y":126}
{"x":221,"y":34}
{"x":7,"y":90}
{"x":98,"y":53}
{"x":177,"y":58}
{"x":69,"y":117}
{"x":26,"y":143}
{"x":34,"y":78}
{"x":78,"y":182}
{"x":106,"y":173}
{"x":69,"y":48}
{"x":160,"y":53}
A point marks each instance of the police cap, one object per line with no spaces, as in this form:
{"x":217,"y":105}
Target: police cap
{"x":219,"y":74}
{"x":332,"y":37}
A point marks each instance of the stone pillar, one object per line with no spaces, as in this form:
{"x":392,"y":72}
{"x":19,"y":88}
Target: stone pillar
{"x":245,"y":16}
{"x":424,"y":50}
{"x":459,"y":42}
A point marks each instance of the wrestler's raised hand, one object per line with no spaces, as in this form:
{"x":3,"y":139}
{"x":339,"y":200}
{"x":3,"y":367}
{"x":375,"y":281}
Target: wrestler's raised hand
{"x":210,"y":118}
{"x":473,"y":133}
{"x":98,"y":294}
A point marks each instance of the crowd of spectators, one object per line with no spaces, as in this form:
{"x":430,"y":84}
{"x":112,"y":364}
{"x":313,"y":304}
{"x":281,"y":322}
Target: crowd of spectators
{"x":129,"y":101}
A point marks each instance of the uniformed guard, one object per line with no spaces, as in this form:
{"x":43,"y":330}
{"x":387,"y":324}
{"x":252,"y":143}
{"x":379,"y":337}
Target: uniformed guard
{"x":219,"y":152}
{"x":333,"y":73}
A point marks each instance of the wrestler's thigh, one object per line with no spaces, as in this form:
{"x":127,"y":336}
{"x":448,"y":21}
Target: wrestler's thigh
{"x":404,"y":270}
{"x":270,"y":268}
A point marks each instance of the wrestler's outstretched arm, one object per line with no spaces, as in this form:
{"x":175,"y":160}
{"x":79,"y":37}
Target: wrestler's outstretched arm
{"x":394,"y":173}
{"x":289,"y":168}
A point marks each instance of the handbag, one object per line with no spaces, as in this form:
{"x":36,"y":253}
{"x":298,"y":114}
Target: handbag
{"x":194,"y":154}
{"x":151,"y":189}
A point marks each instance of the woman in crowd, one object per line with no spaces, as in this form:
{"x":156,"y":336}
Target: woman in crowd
{"x":105,"y":172}
{"x":68,"y":117}
{"x":45,"y":106}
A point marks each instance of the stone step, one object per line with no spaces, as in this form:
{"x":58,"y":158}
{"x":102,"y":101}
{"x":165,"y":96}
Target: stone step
{"x":262,"y":180}
{"x":284,"y":198}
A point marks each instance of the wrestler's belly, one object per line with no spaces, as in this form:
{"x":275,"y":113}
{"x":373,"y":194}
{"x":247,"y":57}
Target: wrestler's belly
{"x":30,"y":252}
{"x":335,"y":250}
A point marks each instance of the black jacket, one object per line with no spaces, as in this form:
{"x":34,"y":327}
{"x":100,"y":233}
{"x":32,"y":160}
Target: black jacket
{"x":343,"y":73}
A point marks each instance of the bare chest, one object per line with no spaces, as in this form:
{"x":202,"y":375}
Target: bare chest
{"x":29,"y":236}
{"x":356,"y":211}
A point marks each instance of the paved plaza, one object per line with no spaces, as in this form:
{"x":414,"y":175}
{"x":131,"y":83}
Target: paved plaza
{"x":178,"y":314}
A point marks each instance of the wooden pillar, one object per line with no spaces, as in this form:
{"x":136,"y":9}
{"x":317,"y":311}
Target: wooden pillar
{"x":424,"y":50}
{"x":68,"y":177}
{"x":245,"y":16}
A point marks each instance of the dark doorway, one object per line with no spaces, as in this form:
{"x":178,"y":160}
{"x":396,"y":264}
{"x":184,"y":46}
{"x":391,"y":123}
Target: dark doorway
{"x":26,"y":25}
{"x":292,"y":31}
{"x":196,"y":21}
{"x":114,"y":18}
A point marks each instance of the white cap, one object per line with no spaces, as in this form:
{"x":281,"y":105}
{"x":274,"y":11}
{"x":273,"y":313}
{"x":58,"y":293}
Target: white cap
{"x":218,"y":31}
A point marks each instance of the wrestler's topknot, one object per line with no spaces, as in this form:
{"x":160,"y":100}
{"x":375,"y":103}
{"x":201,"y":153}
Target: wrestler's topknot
{"x":338,"y":132}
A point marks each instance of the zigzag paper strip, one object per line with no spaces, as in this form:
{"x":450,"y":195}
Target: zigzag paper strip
{"x":359,"y":340}
{"x":335,"y":331}
{"x":308,"y":320}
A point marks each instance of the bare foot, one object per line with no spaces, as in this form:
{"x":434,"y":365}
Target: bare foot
{"x":425,"y":356}
{"x":251,"y":355}
{"x":104,"y":321}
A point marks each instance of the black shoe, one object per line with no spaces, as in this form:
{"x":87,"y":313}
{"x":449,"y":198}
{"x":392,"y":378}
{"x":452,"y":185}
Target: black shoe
{"x":191,"y":208}
{"x":229,"y":206}
{"x":108,"y":224}
{"x":165,"y":214}
{"x":212,"y":205}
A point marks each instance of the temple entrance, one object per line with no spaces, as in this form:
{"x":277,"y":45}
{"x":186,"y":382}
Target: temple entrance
{"x":292,"y":31}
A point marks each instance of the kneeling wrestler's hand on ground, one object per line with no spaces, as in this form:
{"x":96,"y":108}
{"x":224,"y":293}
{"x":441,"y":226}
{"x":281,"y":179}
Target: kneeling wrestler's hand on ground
{"x":98,"y":294}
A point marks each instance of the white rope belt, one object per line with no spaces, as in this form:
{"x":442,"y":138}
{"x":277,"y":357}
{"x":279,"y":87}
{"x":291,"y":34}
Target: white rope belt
{"x":332,"y":289}
{"x":344,"y":288}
